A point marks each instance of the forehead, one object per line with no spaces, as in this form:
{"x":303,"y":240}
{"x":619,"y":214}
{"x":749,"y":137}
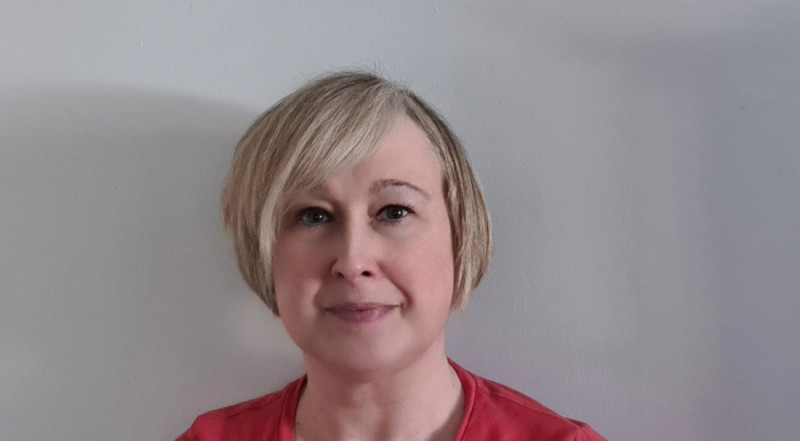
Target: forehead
{"x":400,"y":147}
{"x":403,"y":158}
{"x":406,"y":141}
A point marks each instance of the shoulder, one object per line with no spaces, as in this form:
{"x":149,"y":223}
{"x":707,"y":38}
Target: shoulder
{"x":498,"y":412}
{"x":256,"y":419}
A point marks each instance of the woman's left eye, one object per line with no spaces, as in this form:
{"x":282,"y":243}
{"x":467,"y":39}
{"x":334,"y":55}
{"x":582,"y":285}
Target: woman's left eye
{"x":393,"y":213}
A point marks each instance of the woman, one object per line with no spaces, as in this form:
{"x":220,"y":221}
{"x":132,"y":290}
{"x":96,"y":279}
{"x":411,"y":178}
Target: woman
{"x":357,"y":219}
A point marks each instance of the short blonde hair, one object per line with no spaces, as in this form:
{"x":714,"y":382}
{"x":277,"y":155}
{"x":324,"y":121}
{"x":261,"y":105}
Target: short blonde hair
{"x":329,"y":125}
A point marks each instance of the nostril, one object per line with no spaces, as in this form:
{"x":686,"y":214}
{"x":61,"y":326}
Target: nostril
{"x":366,"y":273}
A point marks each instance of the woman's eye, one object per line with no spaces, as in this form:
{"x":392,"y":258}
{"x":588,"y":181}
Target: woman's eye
{"x":393,"y":213}
{"x":314,"y":216}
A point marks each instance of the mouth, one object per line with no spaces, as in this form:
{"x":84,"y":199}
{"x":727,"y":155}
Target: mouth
{"x":360,"y":312}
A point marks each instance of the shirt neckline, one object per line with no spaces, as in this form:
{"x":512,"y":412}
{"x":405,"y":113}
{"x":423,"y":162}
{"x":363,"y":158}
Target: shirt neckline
{"x":293,"y":390}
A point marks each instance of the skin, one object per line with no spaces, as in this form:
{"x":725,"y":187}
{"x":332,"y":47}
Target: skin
{"x":363,"y":273}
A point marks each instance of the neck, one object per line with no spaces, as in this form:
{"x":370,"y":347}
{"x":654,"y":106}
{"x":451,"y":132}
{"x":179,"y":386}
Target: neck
{"x":422,"y":401}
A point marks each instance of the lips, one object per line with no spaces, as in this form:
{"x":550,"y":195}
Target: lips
{"x":360,"y":312}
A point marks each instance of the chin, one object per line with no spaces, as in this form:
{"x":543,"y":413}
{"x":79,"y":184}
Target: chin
{"x":363,"y":363}
{"x":369,"y":360}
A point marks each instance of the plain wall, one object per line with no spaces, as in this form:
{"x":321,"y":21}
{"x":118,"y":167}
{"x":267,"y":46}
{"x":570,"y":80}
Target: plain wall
{"x":641,"y":160}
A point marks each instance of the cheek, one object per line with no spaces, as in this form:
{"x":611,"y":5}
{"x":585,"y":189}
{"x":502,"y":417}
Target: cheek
{"x":294,"y":271}
{"x":430,"y":260}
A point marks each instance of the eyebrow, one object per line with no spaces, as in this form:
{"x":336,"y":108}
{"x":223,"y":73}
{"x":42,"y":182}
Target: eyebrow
{"x":383,"y":184}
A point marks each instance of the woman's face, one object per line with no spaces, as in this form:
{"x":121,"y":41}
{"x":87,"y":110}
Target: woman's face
{"x":363,"y":266}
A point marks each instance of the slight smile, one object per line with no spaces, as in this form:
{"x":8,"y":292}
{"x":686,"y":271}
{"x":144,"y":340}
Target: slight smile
{"x":366,"y":312}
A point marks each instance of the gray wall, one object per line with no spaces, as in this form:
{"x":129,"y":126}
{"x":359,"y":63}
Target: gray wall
{"x":640,"y":159}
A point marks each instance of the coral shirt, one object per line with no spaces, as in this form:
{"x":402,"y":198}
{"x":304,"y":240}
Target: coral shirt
{"x":491,"y":412}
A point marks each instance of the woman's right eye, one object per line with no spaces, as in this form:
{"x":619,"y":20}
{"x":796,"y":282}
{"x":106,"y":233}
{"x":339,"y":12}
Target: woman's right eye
{"x":314,"y":216}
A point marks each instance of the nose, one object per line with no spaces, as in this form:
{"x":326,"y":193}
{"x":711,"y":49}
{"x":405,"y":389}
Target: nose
{"x":355,"y":254}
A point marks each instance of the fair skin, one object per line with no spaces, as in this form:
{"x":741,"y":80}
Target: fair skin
{"x":363,"y":274}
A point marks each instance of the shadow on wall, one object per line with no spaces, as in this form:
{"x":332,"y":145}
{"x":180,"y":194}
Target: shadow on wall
{"x":122,"y":305}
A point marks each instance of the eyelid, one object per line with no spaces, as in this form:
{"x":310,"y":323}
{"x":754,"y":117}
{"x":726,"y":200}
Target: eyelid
{"x":301,"y":204}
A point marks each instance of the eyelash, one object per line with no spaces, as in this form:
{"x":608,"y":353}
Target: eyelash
{"x":302,"y":215}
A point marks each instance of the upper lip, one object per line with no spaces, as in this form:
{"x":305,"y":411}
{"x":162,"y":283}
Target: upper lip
{"x":358,"y":306}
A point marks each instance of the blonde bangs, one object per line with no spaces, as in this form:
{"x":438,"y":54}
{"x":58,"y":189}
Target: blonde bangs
{"x":334,"y":145}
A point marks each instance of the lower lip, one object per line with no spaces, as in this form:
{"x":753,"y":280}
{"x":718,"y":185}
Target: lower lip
{"x":367,"y":315}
